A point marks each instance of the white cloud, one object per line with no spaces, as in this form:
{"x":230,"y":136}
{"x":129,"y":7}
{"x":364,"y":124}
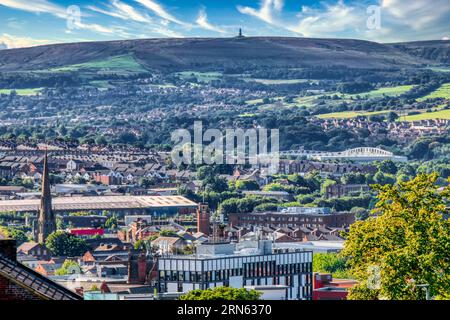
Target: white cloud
{"x":121,"y":10}
{"x":331,"y":21}
{"x":161,"y":12}
{"x":12,"y":42}
{"x":38,"y":6}
{"x":265,"y":12}
{"x":202,"y":21}
{"x":130,"y":11}
{"x":417,"y":14}
{"x":94,"y":27}
{"x":43,"y":6}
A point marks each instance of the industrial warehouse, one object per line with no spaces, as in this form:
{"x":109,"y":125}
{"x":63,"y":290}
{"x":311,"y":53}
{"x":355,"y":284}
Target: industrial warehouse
{"x":154,"y":205}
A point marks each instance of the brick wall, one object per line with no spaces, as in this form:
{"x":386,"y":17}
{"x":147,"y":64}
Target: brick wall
{"x":11,"y":291}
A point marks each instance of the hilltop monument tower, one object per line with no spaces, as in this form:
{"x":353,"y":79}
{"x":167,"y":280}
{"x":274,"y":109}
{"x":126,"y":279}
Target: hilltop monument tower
{"x":46,"y":223}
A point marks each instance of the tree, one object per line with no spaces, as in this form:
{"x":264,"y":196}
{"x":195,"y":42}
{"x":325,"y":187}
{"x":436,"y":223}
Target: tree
{"x":61,"y":243}
{"x":360,"y":213}
{"x":331,"y":263}
{"x":140,"y":244}
{"x":392,"y":116}
{"x":387,"y":166}
{"x":404,"y":244}
{"x":381,"y":178}
{"x":14,"y":233}
{"x":68,"y":267}
{"x":327,"y":183}
{"x":112,"y":222}
{"x":222,"y":293}
{"x":246,"y":185}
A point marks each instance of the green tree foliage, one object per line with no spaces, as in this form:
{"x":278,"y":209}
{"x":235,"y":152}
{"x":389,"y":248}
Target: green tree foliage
{"x":112,"y":222}
{"x":241,"y":205}
{"x":331,"y":263}
{"x":360,"y":213}
{"x":61,"y":243}
{"x":66,"y":267}
{"x":344,"y":203}
{"x":327,"y":183}
{"x":14,"y":233}
{"x":222,"y":293}
{"x":246,"y":185}
{"x":406,"y":243}
{"x":392,"y":116}
{"x":387,"y":166}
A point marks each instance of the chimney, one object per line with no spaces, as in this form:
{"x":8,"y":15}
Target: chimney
{"x":142,"y":268}
{"x":8,"y":249}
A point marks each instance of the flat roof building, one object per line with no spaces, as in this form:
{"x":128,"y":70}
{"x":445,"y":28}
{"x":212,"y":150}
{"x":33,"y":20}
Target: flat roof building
{"x":293,"y":217}
{"x":253,"y":263}
{"x":155,"y":205}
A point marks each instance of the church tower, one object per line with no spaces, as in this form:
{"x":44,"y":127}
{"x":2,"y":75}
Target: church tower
{"x":46,"y":218}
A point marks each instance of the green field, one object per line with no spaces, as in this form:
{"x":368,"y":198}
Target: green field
{"x":119,"y":64}
{"x":442,"y":92}
{"x":440,"y":69}
{"x":101,"y":84}
{"x":276,"y":81}
{"x":246,"y":115}
{"x":307,"y":101}
{"x":378,"y":93}
{"x":201,"y":76}
{"x":350,"y":114}
{"x":441,"y":114}
{"x":22,"y":92}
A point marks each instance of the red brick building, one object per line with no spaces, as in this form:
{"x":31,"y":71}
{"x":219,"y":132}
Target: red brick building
{"x":327,"y":288}
{"x":203,"y":217}
{"x":292,"y":219}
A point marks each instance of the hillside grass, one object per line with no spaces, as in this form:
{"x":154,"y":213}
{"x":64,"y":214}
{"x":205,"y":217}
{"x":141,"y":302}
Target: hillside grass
{"x":122,"y":64}
{"x":441,"y":114}
{"x":442,"y":92}
{"x":350,"y":114}
{"x":378,"y":93}
{"x":201,"y":76}
{"x":440,"y":69}
{"x":276,"y":81}
{"x":22,"y":92}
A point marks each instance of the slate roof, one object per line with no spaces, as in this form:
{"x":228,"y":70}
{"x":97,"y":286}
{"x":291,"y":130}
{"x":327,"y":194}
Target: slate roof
{"x":34,"y":282}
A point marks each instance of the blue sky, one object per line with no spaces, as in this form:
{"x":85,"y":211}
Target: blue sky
{"x":27,"y":23}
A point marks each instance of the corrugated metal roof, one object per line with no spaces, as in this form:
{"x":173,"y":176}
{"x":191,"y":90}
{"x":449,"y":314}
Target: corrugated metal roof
{"x":98,"y":203}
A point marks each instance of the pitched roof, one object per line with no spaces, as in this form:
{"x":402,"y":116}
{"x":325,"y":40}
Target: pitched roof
{"x":168,"y":240}
{"x":27,"y":246}
{"x":34,"y":282}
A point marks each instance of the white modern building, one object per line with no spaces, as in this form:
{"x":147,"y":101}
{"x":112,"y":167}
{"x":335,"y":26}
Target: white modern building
{"x":254,"y":264}
{"x":361,"y":154}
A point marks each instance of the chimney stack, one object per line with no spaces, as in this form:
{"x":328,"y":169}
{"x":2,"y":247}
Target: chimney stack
{"x":8,"y":249}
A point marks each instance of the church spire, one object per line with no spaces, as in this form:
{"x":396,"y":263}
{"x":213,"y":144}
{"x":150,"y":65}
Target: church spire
{"x":46,"y":218}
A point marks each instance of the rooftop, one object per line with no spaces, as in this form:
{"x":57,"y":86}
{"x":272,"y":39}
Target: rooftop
{"x":98,"y":203}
